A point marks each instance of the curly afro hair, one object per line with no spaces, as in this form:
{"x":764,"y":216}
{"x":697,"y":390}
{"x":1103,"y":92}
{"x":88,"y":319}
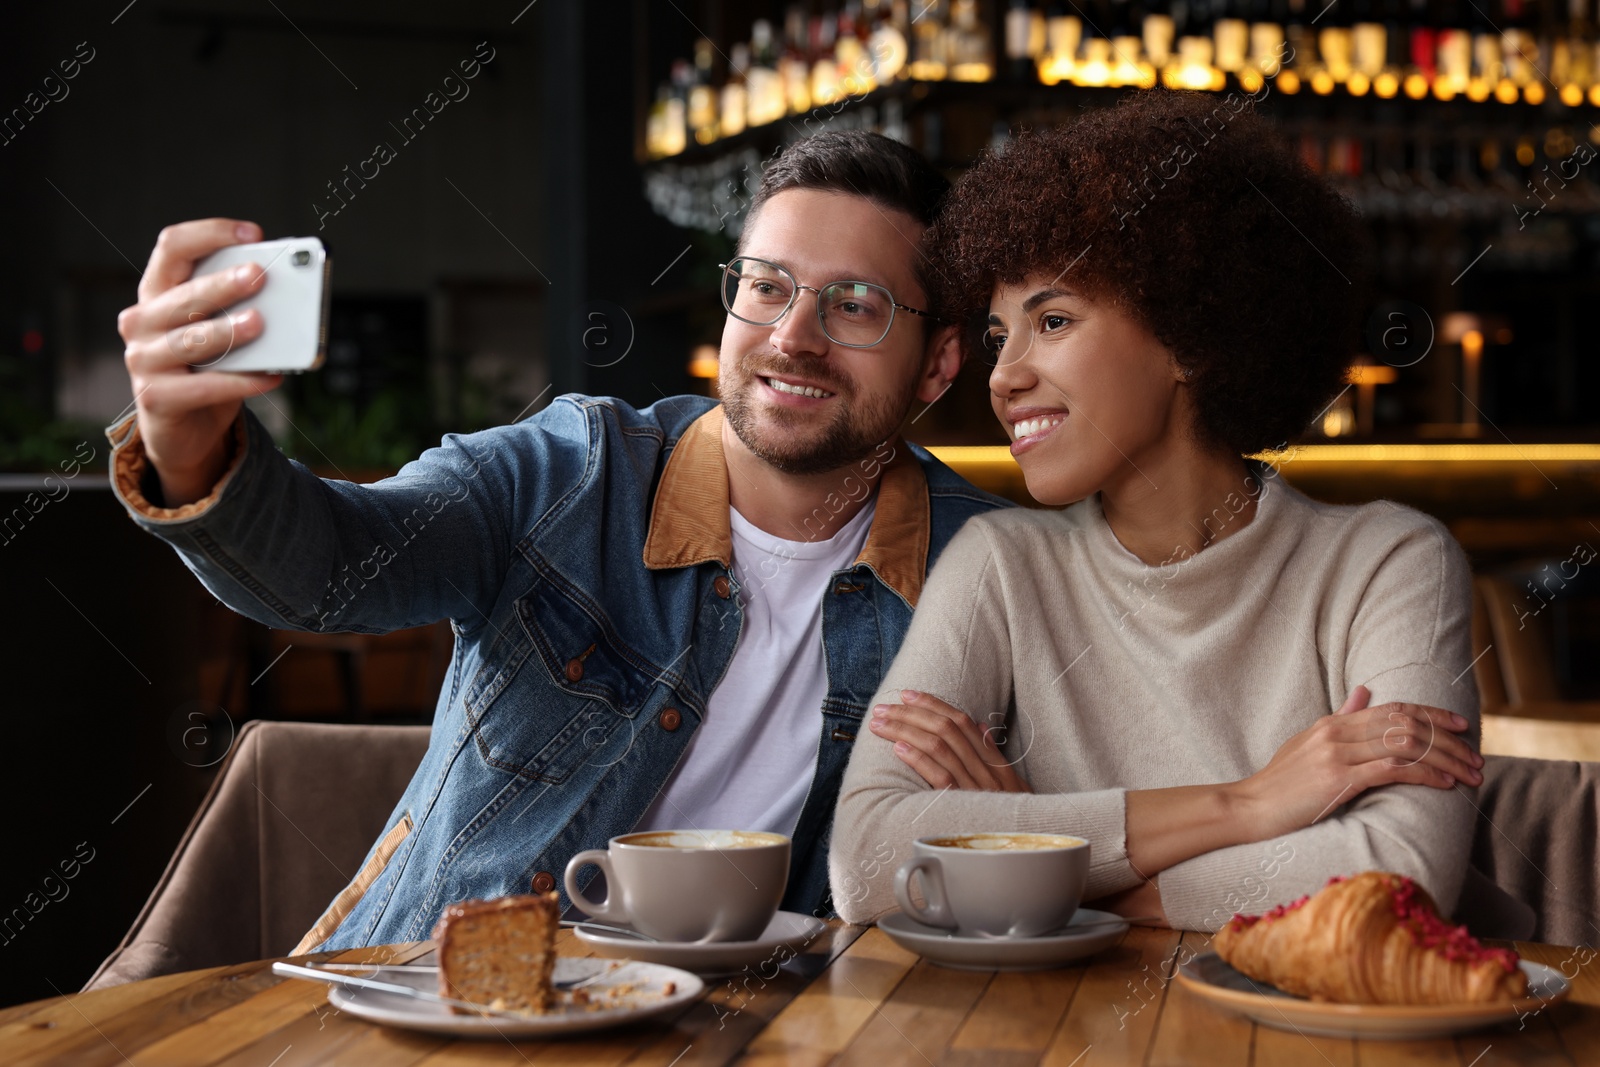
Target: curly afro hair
{"x":1187,"y":212}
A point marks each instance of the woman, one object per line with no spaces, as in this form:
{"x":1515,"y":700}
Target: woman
{"x":1166,"y":290}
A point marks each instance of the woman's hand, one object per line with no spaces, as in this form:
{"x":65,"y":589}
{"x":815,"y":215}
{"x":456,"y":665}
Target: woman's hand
{"x":944,"y":745}
{"x":1353,"y":750}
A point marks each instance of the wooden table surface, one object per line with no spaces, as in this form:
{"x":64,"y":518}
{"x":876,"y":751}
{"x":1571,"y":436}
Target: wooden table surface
{"x":852,"y":997}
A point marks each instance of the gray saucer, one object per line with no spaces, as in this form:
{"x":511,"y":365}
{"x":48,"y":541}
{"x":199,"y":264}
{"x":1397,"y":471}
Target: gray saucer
{"x":967,"y":953}
{"x":787,"y":931}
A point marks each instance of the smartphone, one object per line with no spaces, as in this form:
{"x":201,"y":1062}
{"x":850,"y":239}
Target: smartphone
{"x":293,"y":305}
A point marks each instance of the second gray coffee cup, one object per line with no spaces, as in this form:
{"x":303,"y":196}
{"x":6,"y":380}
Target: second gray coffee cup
{"x":688,"y":885}
{"x":995,"y":884}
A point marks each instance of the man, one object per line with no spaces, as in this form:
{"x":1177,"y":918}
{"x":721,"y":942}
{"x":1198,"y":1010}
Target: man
{"x":664,"y":618}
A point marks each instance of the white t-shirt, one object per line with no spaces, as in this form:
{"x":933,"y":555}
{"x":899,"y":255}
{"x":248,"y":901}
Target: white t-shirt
{"x":750,"y":764}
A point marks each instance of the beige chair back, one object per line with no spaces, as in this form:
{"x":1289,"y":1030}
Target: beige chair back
{"x":1535,"y":839}
{"x":283,"y":829}
{"x":1522,"y":639}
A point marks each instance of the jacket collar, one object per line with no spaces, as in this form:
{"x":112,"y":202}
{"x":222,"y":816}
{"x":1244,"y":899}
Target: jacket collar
{"x":689,"y":518}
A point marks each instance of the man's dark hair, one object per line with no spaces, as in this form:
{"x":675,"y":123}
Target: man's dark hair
{"x":1190,"y":213}
{"x":892,"y":175}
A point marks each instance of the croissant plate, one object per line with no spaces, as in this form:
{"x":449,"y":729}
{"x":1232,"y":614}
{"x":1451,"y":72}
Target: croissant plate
{"x":1375,"y":938}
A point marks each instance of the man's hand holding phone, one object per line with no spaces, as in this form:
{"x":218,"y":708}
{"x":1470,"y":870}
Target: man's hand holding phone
{"x":179,"y":326}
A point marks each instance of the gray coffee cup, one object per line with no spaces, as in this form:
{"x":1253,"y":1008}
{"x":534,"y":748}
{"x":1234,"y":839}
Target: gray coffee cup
{"x":995,"y":884}
{"x":688,"y":885}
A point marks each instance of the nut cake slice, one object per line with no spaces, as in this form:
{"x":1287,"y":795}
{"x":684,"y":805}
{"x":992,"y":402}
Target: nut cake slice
{"x":499,"y":953}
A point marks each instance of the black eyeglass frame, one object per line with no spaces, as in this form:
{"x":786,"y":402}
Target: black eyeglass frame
{"x":794,"y":294}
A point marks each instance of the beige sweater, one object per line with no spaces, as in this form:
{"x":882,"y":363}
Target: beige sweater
{"x":1110,"y":675}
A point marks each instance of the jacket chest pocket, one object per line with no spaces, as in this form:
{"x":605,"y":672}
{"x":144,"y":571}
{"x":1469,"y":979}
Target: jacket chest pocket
{"x":556,"y":689}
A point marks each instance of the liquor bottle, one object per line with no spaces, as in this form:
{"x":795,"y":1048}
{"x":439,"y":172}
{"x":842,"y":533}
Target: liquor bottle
{"x":1231,"y":36}
{"x":826,"y":86}
{"x":1590,"y":36}
{"x":1563,"y":41}
{"x":1334,"y":45}
{"x":1454,"y":75}
{"x":766,"y":88}
{"x":794,"y":67}
{"x":850,"y":52}
{"x":1397,"y":51}
{"x":1301,"y":37}
{"x":1266,"y":44}
{"x":1127,"y":49}
{"x":1519,"y":52}
{"x":888,"y":44}
{"x":1420,"y":65}
{"x":735,"y":95}
{"x":1063,"y":31}
{"x":674,"y":132}
{"x":703,"y":117}
{"x":1369,"y":47}
{"x":1197,"y":67}
{"x":655,"y":121}
{"x":1548,"y":27}
{"x":1157,"y":33}
{"x":1094,"y":65}
{"x":1024,"y":41}
{"x":1036,"y":33}
{"x":1582,"y":71}
{"x":1592,"y":47}
{"x":1488,"y":63}
{"x":929,"y":59}
{"x":971,"y":51}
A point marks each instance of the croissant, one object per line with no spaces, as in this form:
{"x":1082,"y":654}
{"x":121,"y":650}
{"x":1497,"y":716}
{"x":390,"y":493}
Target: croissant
{"x":1375,"y":938}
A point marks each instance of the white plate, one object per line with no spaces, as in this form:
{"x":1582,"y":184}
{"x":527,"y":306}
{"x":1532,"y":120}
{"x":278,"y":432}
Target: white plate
{"x":1209,"y":977}
{"x":650,"y":996}
{"x":968,"y":953}
{"x":787,"y":929}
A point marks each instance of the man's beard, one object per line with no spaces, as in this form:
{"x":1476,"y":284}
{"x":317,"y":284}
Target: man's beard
{"x":852,"y":434}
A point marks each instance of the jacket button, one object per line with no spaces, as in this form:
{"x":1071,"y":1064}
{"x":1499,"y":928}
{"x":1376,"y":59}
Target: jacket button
{"x":722,"y":586}
{"x":543,"y":882}
{"x":574,"y":670}
{"x":670,"y":719}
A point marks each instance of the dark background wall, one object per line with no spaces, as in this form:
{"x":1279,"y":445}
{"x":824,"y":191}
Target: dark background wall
{"x":498,"y":233}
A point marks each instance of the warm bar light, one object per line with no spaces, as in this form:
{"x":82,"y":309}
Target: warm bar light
{"x":1466,"y":453}
{"x":703,"y":362}
{"x":969,"y":456}
{"x":1371,"y":374}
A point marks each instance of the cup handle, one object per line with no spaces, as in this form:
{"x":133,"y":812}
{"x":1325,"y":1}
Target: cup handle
{"x":607,"y":910}
{"x":937,"y":913}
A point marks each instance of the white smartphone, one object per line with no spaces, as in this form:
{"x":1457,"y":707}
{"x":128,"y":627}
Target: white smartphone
{"x":293,"y":305}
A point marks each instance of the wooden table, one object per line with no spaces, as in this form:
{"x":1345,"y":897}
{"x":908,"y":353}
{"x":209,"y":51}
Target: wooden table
{"x":852,"y":997}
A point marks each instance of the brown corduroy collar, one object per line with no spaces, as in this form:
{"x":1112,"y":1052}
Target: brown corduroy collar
{"x":689,"y":518}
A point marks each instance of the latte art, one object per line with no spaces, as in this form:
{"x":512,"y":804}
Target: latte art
{"x":704,"y":839}
{"x":1006,"y":842}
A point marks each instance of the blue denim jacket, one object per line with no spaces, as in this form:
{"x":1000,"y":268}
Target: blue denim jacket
{"x":583,"y":558}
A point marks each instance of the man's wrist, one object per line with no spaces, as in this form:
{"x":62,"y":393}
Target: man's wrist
{"x":185,"y":487}
{"x":141,"y":486}
{"x":179,"y":487}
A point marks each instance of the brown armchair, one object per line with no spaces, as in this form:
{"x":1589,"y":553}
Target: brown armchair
{"x":1536,"y":840}
{"x":282,"y":830}
{"x":1516,"y":666}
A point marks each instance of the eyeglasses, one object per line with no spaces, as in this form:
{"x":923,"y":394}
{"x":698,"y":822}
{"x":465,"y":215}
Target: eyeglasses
{"x":852,"y":314}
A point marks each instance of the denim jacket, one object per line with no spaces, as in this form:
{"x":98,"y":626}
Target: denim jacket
{"x":583,"y":558}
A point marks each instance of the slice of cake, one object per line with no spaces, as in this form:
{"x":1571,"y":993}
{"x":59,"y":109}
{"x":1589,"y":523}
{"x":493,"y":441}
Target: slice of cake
{"x":499,"y":953}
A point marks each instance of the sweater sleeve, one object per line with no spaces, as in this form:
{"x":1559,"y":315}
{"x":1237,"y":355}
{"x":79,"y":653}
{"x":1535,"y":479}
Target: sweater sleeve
{"x":1409,"y":640}
{"x":958,"y":648}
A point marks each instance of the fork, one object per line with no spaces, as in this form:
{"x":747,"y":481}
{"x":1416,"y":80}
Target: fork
{"x":330,"y":973}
